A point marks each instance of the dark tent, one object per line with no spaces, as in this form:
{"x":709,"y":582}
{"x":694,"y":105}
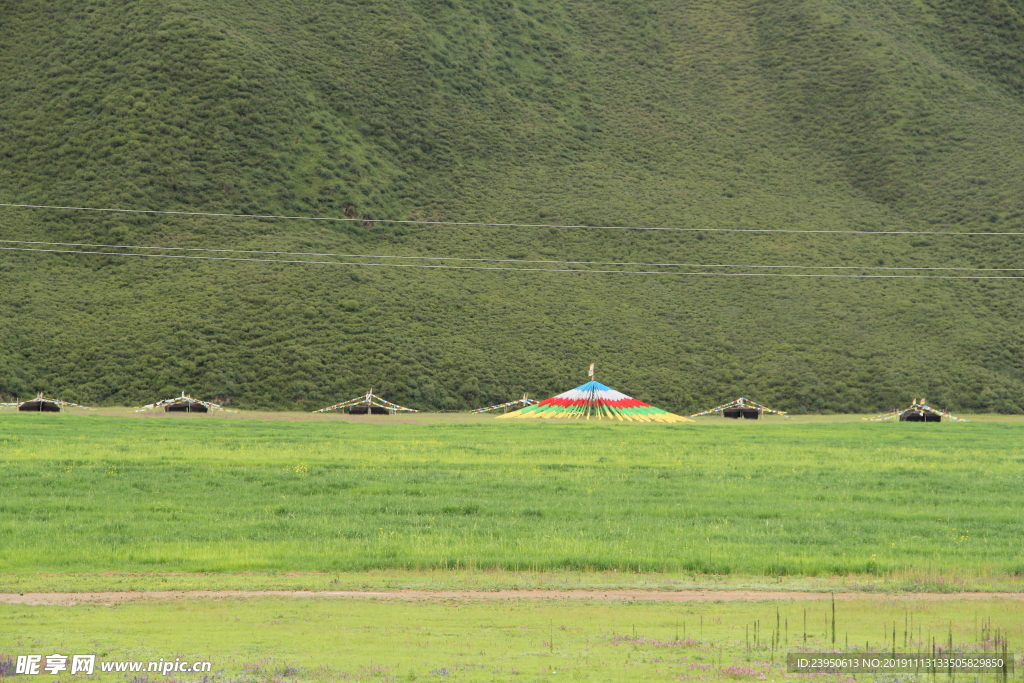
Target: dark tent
{"x":919,"y":411}
{"x":742,"y":408}
{"x":745,"y":413}
{"x":183,"y":404}
{"x":39,"y":405}
{"x":367,"y":404}
{"x":368,"y":410}
{"x":920,"y":415}
{"x":186,"y":407}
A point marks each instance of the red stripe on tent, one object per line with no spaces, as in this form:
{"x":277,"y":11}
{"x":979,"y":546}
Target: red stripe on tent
{"x":574,"y":402}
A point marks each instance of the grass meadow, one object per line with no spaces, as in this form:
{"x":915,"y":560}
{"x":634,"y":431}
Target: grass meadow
{"x":102,"y":494}
{"x":277,"y":640}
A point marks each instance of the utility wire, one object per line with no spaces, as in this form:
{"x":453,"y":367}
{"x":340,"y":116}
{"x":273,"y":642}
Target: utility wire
{"x":521,"y":270}
{"x":507,"y":225}
{"x":498,"y":260}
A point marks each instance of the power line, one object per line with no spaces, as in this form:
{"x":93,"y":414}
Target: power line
{"x":498,"y":260}
{"x":506,"y":225}
{"x":520,"y":270}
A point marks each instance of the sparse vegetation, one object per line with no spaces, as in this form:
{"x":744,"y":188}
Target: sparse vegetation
{"x":273,"y":640}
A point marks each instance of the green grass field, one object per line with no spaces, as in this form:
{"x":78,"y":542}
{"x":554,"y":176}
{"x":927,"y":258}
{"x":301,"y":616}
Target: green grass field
{"x":818,"y":498}
{"x":275,"y":640}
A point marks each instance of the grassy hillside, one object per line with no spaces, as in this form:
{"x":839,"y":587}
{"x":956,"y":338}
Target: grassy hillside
{"x":793,"y":114}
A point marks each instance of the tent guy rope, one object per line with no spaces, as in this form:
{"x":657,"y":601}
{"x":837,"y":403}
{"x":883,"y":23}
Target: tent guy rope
{"x":518,"y":403}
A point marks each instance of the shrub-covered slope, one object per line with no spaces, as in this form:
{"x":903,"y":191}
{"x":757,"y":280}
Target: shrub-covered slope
{"x":784,"y":114}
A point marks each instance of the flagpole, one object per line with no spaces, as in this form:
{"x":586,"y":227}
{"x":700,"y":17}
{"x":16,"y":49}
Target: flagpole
{"x":590,"y":399}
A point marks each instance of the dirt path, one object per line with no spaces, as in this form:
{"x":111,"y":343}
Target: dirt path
{"x":612,"y":595}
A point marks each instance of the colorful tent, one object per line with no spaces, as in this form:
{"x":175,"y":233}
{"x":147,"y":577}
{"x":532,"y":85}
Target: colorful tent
{"x":595,"y":400}
{"x":368,"y":404}
{"x":507,"y":407}
{"x":919,"y":411}
{"x":741,"y":407}
{"x":184,"y":404}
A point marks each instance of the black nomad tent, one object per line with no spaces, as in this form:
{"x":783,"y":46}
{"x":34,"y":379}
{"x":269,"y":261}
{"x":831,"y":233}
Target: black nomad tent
{"x":742,"y":408}
{"x":186,"y":406}
{"x":367,"y":404}
{"x":919,"y":411}
{"x":41,"y":404}
{"x":183,"y":404}
{"x":920,"y":415}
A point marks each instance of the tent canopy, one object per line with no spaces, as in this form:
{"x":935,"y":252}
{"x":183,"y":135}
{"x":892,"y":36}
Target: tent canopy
{"x":742,"y":408}
{"x":368,"y":404}
{"x":595,"y":400}
{"x":41,"y":404}
{"x":919,"y":411}
{"x":184,"y":404}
